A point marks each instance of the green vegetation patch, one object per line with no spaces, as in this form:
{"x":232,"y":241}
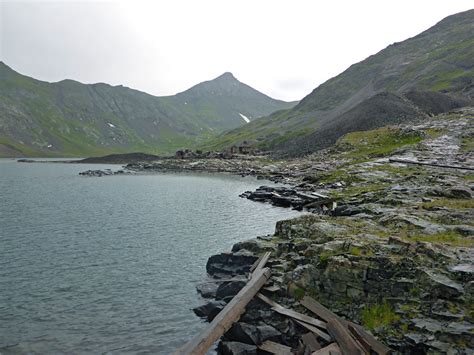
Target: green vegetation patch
{"x":378,"y":142}
{"x":451,"y":238}
{"x":467,"y":144}
{"x":451,"y":203}
{"x":379,"y":315}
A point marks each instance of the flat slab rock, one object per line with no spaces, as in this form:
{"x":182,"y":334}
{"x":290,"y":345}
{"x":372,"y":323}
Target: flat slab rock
{"x":236,"y":348}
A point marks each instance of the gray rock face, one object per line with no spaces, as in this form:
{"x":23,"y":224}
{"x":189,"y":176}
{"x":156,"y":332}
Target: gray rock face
{"x":231,"y":288}
{"x":252,"y":334}
{"x":209,"y":310}
{"x":236,"y":348}
{"x":230,"y":263}
{"x":207,"y":289}
{"x":442,"y":286}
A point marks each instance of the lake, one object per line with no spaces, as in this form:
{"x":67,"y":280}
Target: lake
{"x":97,"y":265}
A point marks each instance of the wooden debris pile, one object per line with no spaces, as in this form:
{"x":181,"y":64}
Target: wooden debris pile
{"x":327,"y":333}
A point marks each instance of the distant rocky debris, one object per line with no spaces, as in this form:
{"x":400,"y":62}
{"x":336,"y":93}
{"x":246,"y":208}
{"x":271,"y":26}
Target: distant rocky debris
{"x":105,"y":172}
{"x":297,"y":198}
{"x":234,"y":151}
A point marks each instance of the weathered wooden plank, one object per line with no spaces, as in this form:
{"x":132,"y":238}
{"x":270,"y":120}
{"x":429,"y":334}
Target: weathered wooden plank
{"x":263,"y":261}
{"x":224,"y":320}
{"x":318,"y":309}
{"x":273,"y":288}
{"x":290,"y":313}
{"x":315,"y":330}
{"x":406,"y":161}
{"x":362,"y":341}
{"x":331,"y":349}
{"x":343,"y":338}
{"x":254,"y":265}
{"x":326,"y":315}
{"x":310,"y":342}
{"x":375,"y":345}
{"x":275,"y":348}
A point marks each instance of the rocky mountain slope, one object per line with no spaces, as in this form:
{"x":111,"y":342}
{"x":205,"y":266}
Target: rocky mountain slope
{"x":388,"y":87}
{"x":68,"y":118}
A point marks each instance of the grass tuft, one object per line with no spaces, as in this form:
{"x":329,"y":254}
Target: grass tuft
{"x":379,"y":315}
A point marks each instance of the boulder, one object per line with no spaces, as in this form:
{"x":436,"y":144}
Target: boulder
{"x":230,"y":288}
{"x":244,"y":333}
{"x":208,"y":308}
{"x":459,"y":192}
{"x":252,"y":334}
{"x":231,"y":263}
{"x":207,"y":289}
{"x":442,"y":286}
{"x":236,"y":348}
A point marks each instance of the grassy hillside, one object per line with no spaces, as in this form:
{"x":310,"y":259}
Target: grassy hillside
{"x":440,"y":59}
{"x":73,"y":119}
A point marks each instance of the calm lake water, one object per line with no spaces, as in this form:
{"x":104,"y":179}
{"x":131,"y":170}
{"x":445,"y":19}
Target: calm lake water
{"x":98,"y":265}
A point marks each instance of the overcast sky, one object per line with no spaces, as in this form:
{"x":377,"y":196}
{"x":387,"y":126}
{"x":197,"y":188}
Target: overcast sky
{"x":282,"y":48}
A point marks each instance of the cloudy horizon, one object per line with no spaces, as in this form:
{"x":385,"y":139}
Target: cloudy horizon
{"x":282,"y":49}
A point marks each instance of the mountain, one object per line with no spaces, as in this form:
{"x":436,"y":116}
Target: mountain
{"x":68,"y":118}
{"x":438,"y":64}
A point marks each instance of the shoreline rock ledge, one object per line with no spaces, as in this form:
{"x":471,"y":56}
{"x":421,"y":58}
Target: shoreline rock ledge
{"x":415,"y":297}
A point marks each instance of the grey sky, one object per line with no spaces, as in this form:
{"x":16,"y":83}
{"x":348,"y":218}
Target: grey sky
{"x":282,"y":48}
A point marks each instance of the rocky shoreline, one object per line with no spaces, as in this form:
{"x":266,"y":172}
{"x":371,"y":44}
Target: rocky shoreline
{"x":389,"y":245}
{"x":394,"y":254}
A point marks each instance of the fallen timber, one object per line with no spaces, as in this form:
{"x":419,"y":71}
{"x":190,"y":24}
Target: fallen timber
{"x":337,"y":335}
{"x":231,"y":312}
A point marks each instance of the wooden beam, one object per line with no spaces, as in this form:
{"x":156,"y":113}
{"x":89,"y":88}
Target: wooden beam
{"x":318,"y":309}
{"x":254,"y":265}
{"x":275,"y":348}
{"x":315,"y":330}
{"x":325,"y":314}
{"x":292,"y":314}
{"x":358,"y":335}
{"x":343,"y":338}
{"x":260,"y":264}
{"x":375,"y":345}
{"x":331,"y":349}
{"x":406,"y":161}
{"x":230,"y":314}
{"x":310,"y":342}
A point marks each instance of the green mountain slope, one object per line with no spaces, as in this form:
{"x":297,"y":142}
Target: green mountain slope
{"x":440,"y":59}
{"x":68,"y":118}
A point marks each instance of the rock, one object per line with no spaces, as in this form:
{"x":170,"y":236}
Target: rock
{"x":230,"y":263}
{"x":459,"y":192}
{"x":347,"y":210}
{"x":442,"y":286}
{"x":244,"y":333}
{"x":230,"y":288}
{"x":256,"y":246}
{"x":399,"y":220}
{"x":266,"y":332}
{"x":464,"y":272}
{"x":236,"y":348}
{"x":251,"y":334}
{"x":208,"y":308}
{"x":428,"y":324}
{"x":281,"y":201}
{"x":464,"y":230}
{"x":207,"y":289}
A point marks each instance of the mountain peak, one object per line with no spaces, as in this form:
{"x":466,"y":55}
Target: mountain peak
{"x":226,"y":76}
